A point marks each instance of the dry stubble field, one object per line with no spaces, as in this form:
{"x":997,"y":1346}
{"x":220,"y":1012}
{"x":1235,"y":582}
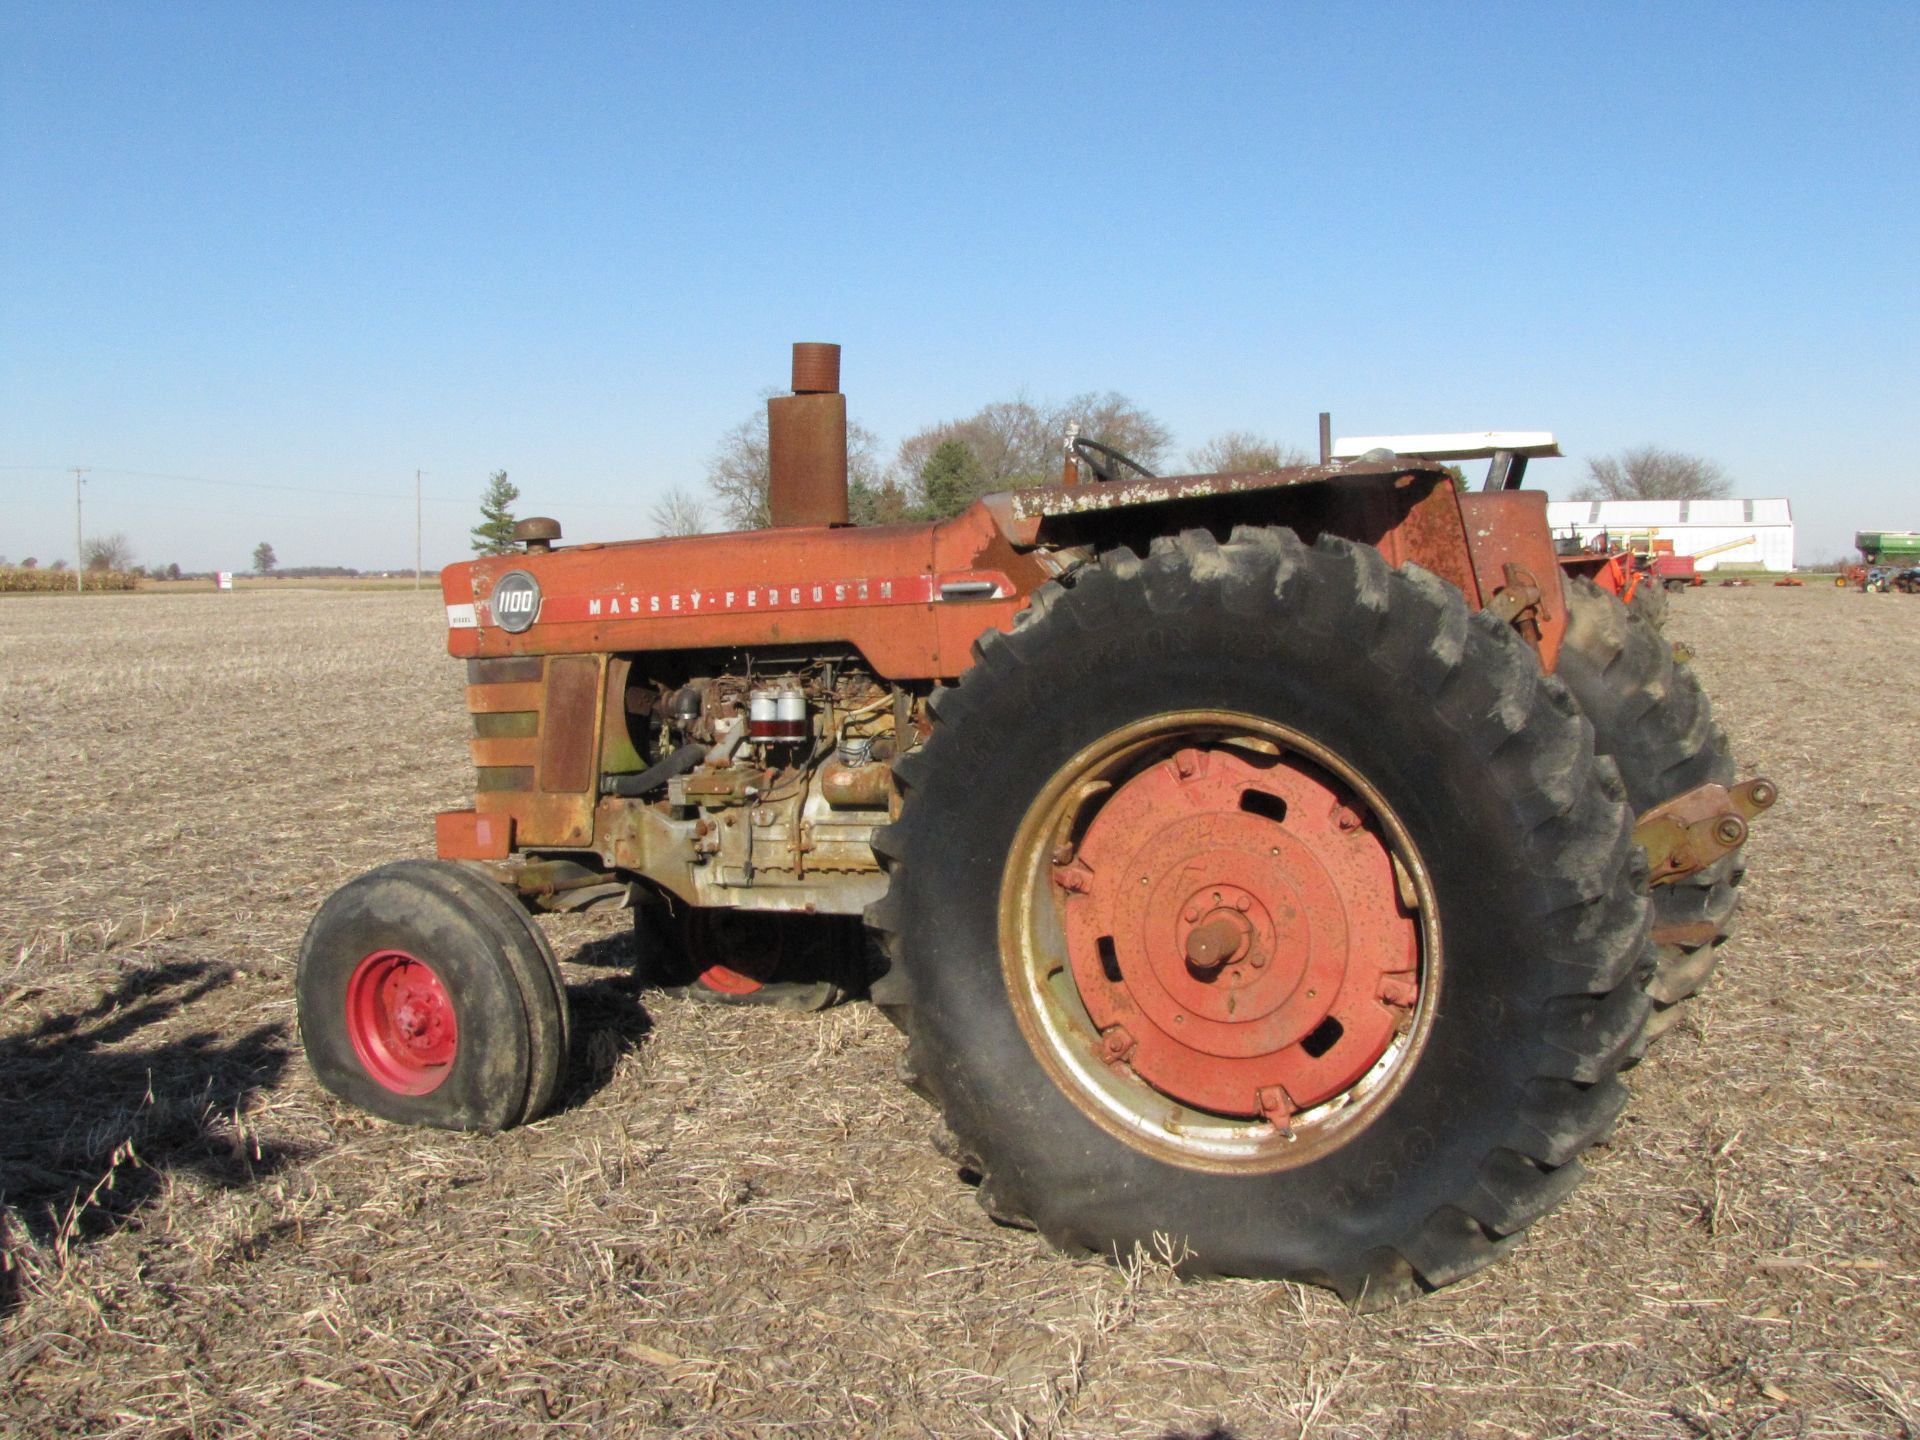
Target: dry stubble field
{"x":733,"y":1224}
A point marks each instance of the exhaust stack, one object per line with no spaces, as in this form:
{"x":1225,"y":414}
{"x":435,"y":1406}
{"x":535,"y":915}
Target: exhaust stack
{"x":807,"y":442}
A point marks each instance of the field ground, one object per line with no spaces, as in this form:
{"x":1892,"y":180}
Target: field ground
{"x":281,"y":584}
{"x":733,"y":1225}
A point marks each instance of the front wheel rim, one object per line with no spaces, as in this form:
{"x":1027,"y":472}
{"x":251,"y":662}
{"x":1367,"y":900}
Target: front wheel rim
{"x":1220,"y":941}
{"x":401,"y":1021}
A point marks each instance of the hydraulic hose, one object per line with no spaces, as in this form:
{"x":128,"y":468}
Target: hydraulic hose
{"x":656,"y":774}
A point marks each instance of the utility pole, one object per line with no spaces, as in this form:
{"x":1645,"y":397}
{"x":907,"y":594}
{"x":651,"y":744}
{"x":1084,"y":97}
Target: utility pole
{"x":79,"y":558}
{"x":416,"y":528}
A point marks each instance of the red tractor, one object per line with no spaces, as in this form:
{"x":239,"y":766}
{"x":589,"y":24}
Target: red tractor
{"x":1260,"y":861}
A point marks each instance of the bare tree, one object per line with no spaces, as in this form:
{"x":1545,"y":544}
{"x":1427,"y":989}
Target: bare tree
{"x":107,"y":552}
{"x":738,"y":473}
{"x":1018,"y":443}
{"x":1648,"y":472}
{"x":678,"y":513}
{"x":1239,"y":450}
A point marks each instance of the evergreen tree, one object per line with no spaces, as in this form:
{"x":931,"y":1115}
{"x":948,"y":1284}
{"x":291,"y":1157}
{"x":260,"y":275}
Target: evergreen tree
{"x":494,"y":534}
{"x":949,"y":480}
{"x":877,"y":502}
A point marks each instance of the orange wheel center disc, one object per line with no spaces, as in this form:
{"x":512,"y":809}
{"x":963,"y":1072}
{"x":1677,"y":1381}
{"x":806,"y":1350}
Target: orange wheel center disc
{"x":1235,"y":930}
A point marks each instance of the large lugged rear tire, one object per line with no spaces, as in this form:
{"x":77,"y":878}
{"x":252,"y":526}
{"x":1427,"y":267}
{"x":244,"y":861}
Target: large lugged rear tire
{"x":1650,"y":602}
{"x":427,"y":996}
{"x":1261,"y":898}
{"x":1650,"y":715}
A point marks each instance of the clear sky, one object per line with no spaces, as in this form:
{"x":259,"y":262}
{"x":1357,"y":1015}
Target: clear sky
{"x":295,"y":252}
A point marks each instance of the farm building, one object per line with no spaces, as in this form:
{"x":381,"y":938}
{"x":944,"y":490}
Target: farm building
{"x":1740,"y":533}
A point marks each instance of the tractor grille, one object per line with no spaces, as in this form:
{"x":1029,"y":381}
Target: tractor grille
{"x":535,"y":739}
{"x":504,"y":696}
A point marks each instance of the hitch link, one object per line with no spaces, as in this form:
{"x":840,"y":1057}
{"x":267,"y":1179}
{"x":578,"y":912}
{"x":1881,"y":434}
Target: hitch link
{"x":1686,"y":834}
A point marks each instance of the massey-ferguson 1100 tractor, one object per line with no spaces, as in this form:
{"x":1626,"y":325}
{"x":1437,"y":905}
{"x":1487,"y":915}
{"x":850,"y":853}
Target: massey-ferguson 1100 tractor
{"x":1284,"y":864}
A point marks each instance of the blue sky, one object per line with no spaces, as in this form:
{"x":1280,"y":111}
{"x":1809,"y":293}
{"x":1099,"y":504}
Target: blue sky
{"x":300,"y":249}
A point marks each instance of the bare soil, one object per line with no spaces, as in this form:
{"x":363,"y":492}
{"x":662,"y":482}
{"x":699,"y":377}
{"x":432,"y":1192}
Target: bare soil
{"x":733,"y":1224}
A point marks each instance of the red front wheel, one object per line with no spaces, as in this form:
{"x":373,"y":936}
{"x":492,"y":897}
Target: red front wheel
{"x":428,"y":997}
{"x":401,"y":1021}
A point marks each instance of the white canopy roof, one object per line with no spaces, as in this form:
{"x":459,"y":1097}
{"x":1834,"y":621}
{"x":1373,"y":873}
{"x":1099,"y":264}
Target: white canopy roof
{"x":1473,"y":445}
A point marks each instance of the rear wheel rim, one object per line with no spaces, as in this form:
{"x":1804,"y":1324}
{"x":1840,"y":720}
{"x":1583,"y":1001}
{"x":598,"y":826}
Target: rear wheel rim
{"x":401,"y":1020}
{"x":1220,"y":941}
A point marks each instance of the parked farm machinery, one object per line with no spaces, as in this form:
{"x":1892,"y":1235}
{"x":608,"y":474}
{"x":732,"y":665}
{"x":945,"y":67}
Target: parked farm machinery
{"x":1286,"y":863}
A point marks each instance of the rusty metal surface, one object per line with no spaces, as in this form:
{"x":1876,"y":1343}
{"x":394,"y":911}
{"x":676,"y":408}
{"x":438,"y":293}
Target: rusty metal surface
{"x":1686,"y":834}
{"x":537,"y":532}
{"x":1080,"y":499}
{"x":1429,"y":530}
{"x":874,"y":587}
{"x":647,"y":841}
{"x":807,"y":460}
{"x":1517,"y":602}
{"x":880,"y":588}
{"x":540,"y":819}
{"x":569,"y":716}
{"x":1509,"y":527}
{"x":505,"y":670}
{"x":514,"y":751}
{"x":816,"y":368}
{"x":535,"y":749}
{"x":467,"y":835}
{"x":1244,"y":938}
{"x":514,"y":696}
{"x":857,"y":787}
{"x":807,"y":443}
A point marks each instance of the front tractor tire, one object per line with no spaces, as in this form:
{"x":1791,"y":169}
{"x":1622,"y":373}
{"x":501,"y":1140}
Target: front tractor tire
{"x":1260,"y":900}
{"x":427,"y":996}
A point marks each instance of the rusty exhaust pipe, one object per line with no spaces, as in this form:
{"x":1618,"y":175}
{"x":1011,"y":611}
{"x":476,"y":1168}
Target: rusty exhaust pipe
{"x":807,"y":442}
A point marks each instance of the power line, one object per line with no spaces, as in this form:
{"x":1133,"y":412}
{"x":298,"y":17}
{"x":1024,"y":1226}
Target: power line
{"x":308,"y":489}
{"x":241,"y":484}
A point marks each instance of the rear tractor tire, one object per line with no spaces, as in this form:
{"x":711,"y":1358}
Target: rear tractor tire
{"x":427,"y":996}
{"x":1261,"y":901}
{"x":1650,"y":602}
{"x":1651,"y":717}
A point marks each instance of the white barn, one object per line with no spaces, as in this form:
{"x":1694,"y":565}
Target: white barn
{"x":1743,"y":533}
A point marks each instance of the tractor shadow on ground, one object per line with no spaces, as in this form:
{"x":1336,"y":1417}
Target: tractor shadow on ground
{"x":608,"y":1020}
{"x":821,"y":964}
{"x":93,"y":1127}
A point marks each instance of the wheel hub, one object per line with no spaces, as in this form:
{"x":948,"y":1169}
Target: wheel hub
{"x":1235,"y":932}
{"x":401,"y":1022}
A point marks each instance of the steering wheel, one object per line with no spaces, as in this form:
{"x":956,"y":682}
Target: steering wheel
{"x":1106,"y":462}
